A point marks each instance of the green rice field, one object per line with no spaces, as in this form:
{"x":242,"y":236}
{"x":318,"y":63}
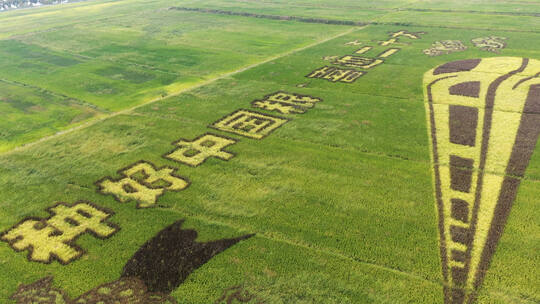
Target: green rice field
{"x":242,"y":151}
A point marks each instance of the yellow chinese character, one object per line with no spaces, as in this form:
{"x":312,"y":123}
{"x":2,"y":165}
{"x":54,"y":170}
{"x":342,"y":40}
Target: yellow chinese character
{"x":394,"y":36}
{"x":363,"y":50}
{"x":294,"y":99}
{"x":278,"y":107}
{"x":365,"y":62}
{"x":358,"y":62}
{"x":194,"y":153}
{"x":52,"y":238}
{"x":250,"y":124}
{"x":320,"y":73}
{"x":334,"y":74}
{"x":491,"y":43}
{"x":352,"y":76}
{"x":355,"y":42}
{"x":286,"y":103}
{"x":388,"y":53}
{"x":445,"y":47}
{"x":142,"y":183}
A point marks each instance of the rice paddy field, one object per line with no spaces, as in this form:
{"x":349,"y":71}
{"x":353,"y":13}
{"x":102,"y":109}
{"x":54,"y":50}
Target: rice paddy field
{"x":243,"y":151}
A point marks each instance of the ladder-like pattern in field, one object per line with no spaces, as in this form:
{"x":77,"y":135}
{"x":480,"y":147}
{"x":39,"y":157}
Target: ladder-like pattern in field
{"x":484,"y":117}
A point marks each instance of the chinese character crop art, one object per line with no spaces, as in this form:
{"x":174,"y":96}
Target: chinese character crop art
{"x":302,"y":151}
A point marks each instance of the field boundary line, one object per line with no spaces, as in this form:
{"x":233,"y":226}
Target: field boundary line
{"x":339,"y":255}
{"x":267,"y":16}
{"x":347,"y":22}
{"x":196,"y":86}
{"x":331,"y":253}
{"x":407,"y":7}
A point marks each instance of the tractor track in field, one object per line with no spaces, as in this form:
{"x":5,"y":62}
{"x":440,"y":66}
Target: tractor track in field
{"x":201,"y":84}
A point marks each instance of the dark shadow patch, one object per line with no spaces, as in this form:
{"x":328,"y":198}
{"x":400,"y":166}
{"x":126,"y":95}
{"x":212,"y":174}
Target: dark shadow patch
{"x":165,"y":261}
{"x":460,"y":210}
{"x":463,"y":124}
{"x":461,"y":173}
{"x":457,"y":66}
{"x":459,"y":256}
{"x":460,"y":235}
{"x":457,"y":296}
{"x":461,"y":162}
{"x":468,"y":89}
{"x":459,"y":275}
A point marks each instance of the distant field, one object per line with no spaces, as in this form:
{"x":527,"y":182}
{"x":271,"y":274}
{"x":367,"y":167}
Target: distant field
{"x":120,"y":61}
{"x":247,"y":132}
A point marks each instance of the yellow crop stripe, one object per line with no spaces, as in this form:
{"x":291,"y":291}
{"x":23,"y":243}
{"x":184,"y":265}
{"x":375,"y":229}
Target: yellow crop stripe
{"x":483,"y":117}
